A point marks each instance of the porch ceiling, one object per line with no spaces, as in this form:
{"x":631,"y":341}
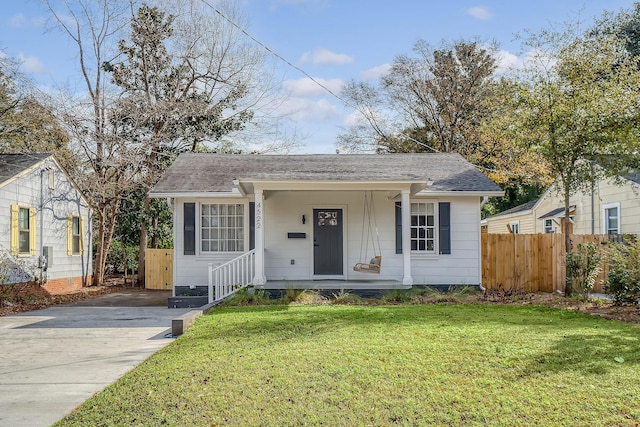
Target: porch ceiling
{"x":393,"y":187}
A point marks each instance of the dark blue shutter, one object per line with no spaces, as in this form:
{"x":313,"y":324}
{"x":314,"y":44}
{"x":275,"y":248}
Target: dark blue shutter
{"x":252,"y":225}
{"x":398,"y":227}
{"x":189,"y":228}
{"x":444,"y":225}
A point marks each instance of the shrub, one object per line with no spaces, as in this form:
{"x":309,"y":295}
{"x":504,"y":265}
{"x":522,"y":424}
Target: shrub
{"x":398,"y":296}
{"x":16,"y":270}
{"x":583,"y":267}
{"x":624,"y":272}
{"x":310,"y":297}
{"x":290,"y":295}
{"x":249,"y":296}
{"x":122,"y":258}
{"x":346,"y":297}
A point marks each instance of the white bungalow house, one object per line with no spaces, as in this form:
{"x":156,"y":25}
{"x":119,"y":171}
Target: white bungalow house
{"x":608,"y":208}
{"x":325,"y":221}
{"x":45,"y":225}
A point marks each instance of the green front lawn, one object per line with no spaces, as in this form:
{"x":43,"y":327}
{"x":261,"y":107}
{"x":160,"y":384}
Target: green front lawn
{"x":384,"y":365}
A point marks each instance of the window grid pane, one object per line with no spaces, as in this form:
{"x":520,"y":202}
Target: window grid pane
{"x":75,"y":235}
{"x":423,"y":227}
{"x":23,"y":231}
{"x":612,"y":220}
{"x":222,"y":228}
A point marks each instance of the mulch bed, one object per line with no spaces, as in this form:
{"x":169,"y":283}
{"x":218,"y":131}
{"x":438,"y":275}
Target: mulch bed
{"x":28,"y":297}
{"x":629,"y":313}
{"x":32,"y":297}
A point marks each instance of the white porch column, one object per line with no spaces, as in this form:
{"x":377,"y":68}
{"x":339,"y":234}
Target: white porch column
{"x":407,"y":280}
{"x":259,"y":278}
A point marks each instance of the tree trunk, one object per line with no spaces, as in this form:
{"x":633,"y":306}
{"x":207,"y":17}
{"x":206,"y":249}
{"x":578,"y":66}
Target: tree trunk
{"x":154,"y":239}
{"x":144,"y":241}
{"x":105,"y":235}
{"x":100,"y":259}
{"x":568,"y":289}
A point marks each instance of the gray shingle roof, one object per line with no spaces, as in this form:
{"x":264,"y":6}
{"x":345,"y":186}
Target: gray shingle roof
{"x":206,"y":172}
{"x":12,"y":164}
{"x":634,"y":176}
{"x":520,"y":208}
{"x":557,"y":212}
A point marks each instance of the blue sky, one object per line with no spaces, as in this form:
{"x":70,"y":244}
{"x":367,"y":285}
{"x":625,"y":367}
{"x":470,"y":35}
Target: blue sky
{"x":332,"y":40}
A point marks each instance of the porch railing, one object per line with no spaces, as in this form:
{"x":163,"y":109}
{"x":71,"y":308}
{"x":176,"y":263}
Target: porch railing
{"x":227,"y":278}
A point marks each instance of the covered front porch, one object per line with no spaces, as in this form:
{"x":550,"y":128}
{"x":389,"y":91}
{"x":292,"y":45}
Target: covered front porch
{"x":313,"y":234}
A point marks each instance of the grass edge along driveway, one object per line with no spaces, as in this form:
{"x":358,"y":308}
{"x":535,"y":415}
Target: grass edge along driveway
{"x":383,"y":365}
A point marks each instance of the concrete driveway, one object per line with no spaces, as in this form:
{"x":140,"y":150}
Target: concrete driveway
{"x":54,"y":359}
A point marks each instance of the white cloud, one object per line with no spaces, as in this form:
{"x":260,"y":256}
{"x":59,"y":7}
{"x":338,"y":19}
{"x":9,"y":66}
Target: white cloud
{"x":18,"y":20}
{"x":508,"y":61}
{"x":480,"y":12}
{"x":353,"y":119}
{"x":38,"y":21}
{"x":307,"y":87}
{"x":31,"y":64}
{"x":305,"y":109}
{"x":511,"y":63}
{"x":322,"y":56}
{"x":375,"y":72}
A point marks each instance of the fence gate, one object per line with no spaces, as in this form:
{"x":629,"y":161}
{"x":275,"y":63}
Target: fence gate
{"x":158,"y":269}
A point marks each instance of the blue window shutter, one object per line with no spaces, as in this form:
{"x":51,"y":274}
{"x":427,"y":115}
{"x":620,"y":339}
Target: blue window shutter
{"x":444,"y":227}
{"x":398,"y":227}
{"x":252,"y":225}
{"x":189,"y":228}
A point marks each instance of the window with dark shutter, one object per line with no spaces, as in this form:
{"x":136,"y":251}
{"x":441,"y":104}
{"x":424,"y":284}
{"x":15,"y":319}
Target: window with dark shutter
{"x":189,"y":228}
{"x":444,"y":226}
{"x":398,"y":227}
{"x":252,"y":225}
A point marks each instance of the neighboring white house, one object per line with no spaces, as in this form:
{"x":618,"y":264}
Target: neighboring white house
{"x":312,"y":218}
{"x":611,"y":208}
{"x":45,"y":223}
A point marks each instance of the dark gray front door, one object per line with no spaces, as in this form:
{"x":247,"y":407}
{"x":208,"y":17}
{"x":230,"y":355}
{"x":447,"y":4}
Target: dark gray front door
{"x":327,"y":241}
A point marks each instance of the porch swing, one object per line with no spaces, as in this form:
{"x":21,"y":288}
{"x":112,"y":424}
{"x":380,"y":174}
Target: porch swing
{"x":369,"y":214}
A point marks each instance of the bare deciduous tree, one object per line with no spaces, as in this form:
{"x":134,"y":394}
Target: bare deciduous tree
{"x":102,"y":163}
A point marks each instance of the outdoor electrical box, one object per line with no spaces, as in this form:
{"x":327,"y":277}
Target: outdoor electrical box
{"x":47,"y":251}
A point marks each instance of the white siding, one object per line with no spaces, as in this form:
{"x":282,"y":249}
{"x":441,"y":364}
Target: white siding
{"x":605,"y":192}
{"x":283,"y":211}
{"x":193,"y":269}
{"x":498,"y":225}
{"x":587,"y":219}
{"x":59,"y":202}
{"x":462,"y":266}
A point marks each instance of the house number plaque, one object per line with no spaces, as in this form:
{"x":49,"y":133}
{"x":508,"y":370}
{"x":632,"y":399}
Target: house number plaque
{"x":258,"y":215}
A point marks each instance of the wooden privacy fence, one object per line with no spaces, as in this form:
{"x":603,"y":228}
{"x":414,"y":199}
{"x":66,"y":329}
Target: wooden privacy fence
{"x":158,"y":269}
{"x":532,"y":262}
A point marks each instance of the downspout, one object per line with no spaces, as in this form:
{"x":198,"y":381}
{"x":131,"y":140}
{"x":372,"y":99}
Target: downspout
{"x":593,"y":209}
{"x":41,"y":261}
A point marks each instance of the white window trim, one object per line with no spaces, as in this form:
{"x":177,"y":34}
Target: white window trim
{"x":29,"y":230}
{"x":544,"y":226}
{"x":198,"y":224}
{"x":79,"y":235}
{"x":436,"y":224}
{"x":606,"y":207}
{"x":515,"y":223}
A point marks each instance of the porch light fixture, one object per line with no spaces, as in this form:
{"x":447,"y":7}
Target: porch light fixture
{"x":304,"y":219}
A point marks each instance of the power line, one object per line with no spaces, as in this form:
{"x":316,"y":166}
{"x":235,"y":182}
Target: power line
{"x":277,"y":55}
{"x":303,"y":72}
